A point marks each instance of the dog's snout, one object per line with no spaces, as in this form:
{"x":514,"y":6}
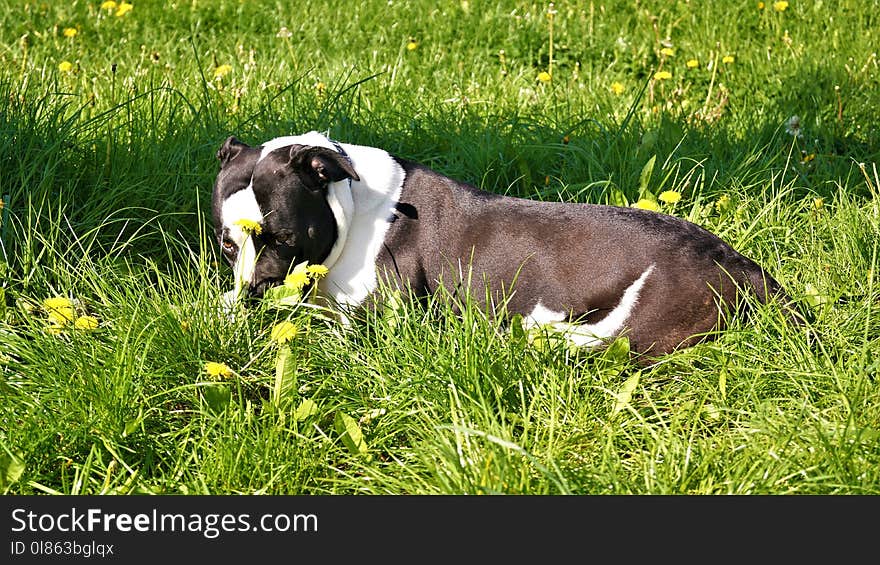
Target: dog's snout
{"x":257,"y":290}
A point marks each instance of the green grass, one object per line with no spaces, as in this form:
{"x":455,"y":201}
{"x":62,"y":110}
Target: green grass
{"x":106,"y":171}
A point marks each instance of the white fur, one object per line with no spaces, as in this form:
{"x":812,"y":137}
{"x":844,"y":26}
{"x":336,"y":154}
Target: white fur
{"x":242,"y":206}
{"x":590,"y":335}
{"x":361,"y":219}
{"x":541,"y":315}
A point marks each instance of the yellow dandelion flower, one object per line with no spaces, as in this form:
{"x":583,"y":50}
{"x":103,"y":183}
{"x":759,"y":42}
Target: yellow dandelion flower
{"x":283,"y":332}
{"x":124,"y":8}
{"x":70,"y":32}
{"x":222,"y":71}
{"x":668,"y":51}
{"x":780,"y":6}
{"x":296,"y":280}
{"x":411,"y":45}
{"x":662,"y":75}
{"x":617,"y":88}
{"x":59,"y":310}
{"x":86,"y":323}
{"x":818,"y":204}
{"x":320,"y":87}
{"x":727,"y":59}
{"x":692,"y":64}
{"x":217,"y":370}
{"x":249,"y":226}
{"x":317,"y":271}
{"x":760,"y":5}
{"x":669,"y":196}
{"x":646,"y":204}
{"x":65,"y":66}
{"x":723,"y":204}
{"x":109,"y":5}
{"x":544,"y":76}
{"x":61,"y":316}
{"x":57,"y":302}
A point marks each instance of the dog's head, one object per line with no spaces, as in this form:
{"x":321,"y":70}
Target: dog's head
{"x":271,"y":211}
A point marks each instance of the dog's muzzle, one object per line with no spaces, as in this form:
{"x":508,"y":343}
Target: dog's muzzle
{"x":256,"y":291}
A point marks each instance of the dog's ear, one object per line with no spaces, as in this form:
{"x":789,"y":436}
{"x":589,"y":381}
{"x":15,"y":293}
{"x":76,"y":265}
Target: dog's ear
{"x":328,"y":165}
{"x":230,"y":149}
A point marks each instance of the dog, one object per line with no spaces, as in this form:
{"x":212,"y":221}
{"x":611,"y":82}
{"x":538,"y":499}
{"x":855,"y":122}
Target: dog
{"x":594,"y":272}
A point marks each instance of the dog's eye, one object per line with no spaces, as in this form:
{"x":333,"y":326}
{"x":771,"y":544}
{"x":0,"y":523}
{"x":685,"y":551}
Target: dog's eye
{"x":282,"y":238}
{"x":228,"y":247}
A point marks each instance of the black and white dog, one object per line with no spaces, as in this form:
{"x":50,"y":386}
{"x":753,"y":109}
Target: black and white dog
{"x":592,"y":271}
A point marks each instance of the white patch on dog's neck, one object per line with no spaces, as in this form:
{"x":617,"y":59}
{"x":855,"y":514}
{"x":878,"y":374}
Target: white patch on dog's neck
{"x":242,"y":205}
{"x":590,"y":335}
{"x":361,"y":210}
{"x":342,"y":205}
{"x":353,"y":276}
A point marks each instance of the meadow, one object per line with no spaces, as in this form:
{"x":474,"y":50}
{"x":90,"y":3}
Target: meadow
{"x":120,"y":373}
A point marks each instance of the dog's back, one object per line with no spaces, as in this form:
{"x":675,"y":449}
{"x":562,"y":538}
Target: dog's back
{"x":577,"y":266}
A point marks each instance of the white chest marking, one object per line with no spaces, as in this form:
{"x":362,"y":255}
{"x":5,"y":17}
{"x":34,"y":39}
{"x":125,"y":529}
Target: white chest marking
{"x":362,"y":214}
{"x":590,"y":335}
